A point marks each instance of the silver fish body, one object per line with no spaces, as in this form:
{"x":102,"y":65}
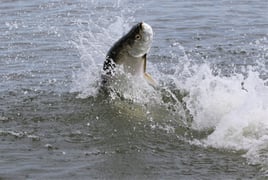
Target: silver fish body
{"x":131,"y":51}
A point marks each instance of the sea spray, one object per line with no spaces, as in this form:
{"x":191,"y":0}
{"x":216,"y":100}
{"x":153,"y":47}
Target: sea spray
{"x":233,"y":109}
{"x":93,"y":41}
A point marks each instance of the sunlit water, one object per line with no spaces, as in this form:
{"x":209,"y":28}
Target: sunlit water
{"x":206,"y":120}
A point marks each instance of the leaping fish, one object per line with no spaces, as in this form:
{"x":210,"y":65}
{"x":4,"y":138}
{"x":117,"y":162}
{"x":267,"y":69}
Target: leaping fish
{"x":131,"y":52}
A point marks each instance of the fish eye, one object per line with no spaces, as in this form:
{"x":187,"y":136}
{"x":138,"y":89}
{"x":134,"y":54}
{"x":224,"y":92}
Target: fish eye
{"x":137,"y":36}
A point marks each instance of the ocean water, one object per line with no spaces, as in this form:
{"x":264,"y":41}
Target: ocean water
{"x":207,"y":120}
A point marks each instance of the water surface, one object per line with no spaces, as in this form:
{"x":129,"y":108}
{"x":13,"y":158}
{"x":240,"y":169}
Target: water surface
{"x":207,"y":120}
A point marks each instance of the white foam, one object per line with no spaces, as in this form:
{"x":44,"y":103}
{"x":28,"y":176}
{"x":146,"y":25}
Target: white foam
{"x":238,"y":115}
{"x":233,"y":108}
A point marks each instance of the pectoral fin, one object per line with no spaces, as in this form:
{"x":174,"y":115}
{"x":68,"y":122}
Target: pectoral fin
{"x":144,"y":62}
{"x":150,"y":80}
{"x":147,"y":76}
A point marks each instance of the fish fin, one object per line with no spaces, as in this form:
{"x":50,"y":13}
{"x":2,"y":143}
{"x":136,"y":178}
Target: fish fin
{"x":144,"y":61}
{"x":150,"y":80}
{"x":147,"y":76}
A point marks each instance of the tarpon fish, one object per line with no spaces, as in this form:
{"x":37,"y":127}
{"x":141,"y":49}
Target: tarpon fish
{"x":130,"y":51}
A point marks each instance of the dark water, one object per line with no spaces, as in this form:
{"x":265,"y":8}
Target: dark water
{"x":54,"y":124}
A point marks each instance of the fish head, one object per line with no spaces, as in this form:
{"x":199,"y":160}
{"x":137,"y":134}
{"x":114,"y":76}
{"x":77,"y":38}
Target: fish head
{"x":140,"y":39}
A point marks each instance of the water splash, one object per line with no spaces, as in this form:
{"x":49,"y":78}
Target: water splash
{"x":94,"y":40}
{"x":233,"y":108}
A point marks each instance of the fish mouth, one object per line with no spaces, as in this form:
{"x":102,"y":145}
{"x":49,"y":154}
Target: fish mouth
{"x":146,"y":27}
{"x":147,"y":31}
